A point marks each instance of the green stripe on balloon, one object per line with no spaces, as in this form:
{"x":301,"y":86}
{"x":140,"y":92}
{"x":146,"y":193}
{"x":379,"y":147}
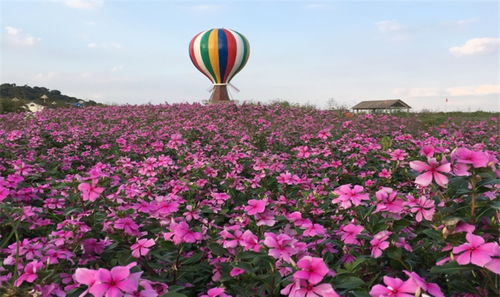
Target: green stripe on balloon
{"x":246,"y":53}
{"x":205,"y":54}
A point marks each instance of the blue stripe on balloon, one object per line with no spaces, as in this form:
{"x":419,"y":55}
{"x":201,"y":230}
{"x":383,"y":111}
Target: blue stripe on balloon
{"x":222,"y":54}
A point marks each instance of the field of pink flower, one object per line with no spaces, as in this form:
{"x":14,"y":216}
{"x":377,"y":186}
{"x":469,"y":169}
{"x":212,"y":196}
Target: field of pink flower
{"x":250,"y":200}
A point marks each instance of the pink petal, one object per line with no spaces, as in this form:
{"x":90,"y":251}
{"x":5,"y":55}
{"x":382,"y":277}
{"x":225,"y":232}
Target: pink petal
{"x":301,"y":274}
{"x":84,"y":187}
{"x":315,"y":278}
{"x":446,"y":167}
{"x":461,"y":248}
{"x":325,"y":290}
{"x":379,"y":291}
{"x":475,"y":240}
{"x":441,"y":179}
{"x":424,"y":179}
{"x":103,"y":275}
{"x":435,"y":290}
{"x":419,"y":166}
{"x":464,"y":258}
{"x":493,"y":265}
{"x":408,"y":287}
{"x":128,"y":285}
{"x":120,"y":273}
{"x":85,"y":276}
{"x":114,"y":292}
{"x":480,"y":258}
{"x":98,"y":290}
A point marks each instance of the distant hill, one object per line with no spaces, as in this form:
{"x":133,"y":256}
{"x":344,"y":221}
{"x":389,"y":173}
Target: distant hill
{"x":13,"y":98}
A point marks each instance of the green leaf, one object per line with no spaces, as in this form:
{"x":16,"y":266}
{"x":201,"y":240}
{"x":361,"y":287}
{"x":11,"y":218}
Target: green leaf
{"x":360,"y":293}
{"x":491,"y":181}
{"x":348,"y":282}
{"x":386,"y":142}
{"x":435,"y":235}
{"x":173,"y":294}
{"x":452,"y":268}
{"x":394,"y":253}
{"x":217,"y":249}
{"x":195,"y":258}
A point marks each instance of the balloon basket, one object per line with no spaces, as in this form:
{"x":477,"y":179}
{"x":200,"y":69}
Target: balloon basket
{"x":219,"y":95}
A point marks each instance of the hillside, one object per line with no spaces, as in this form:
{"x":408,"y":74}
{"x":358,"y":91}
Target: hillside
{"x":13,"y":98}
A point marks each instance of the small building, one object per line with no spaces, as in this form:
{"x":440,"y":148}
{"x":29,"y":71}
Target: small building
{"x":15,"y":99}
{"x":44,"y":98}
{"x":382,"y":106}
{"x":33,"y":107}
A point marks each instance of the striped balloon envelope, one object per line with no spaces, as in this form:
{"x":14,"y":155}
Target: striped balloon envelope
{"x":219,"y":54}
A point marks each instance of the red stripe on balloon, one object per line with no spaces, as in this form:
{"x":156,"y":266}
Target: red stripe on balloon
{"x":231,"y":54}
{"x":193,"y":57}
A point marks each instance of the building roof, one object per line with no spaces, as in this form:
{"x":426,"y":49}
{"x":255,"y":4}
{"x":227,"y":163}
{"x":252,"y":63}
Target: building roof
{"x":381,"y":104}
{"x":44,"y":96}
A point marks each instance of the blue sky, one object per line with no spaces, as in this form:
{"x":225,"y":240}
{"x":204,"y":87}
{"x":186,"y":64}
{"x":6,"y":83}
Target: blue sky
{"x":301,"y":51}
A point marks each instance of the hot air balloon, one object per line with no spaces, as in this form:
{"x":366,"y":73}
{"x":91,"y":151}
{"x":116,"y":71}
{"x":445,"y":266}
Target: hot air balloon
{"x":219,"y":54}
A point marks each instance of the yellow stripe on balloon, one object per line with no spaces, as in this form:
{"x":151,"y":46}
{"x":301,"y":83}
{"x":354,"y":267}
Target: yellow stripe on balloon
{"x":213,"y":46}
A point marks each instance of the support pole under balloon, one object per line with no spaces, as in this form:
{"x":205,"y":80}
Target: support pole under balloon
{"x":219,"y":94}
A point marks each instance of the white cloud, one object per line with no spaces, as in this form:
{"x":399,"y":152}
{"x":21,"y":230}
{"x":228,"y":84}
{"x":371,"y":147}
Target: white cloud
{"x":206,"y":7}
{"x":474,"y":90}
{"x":116,"y":68}
{"x":46,"y":76}
{"x":81,"y":4}
{"x":16,"y":36}
{"x":478,"y":90}
{"x":389,"y":26}
{"x":318,"y":6}
{"x":477,"y":46}
{"x":105,"y":45}
{"x":466,"y":21}
{"x":417,"y":92}
{"x":85,"y":75}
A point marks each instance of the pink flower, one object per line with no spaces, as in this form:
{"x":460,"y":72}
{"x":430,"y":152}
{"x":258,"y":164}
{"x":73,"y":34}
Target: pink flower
{"x":231,"y":240}
{"x":86,"y":277}
{"x":256,"y":206}
{"x":427,"y":151}
{"x":423,"y":207}
{"x":466,"y":156}
{"x":182,"y":233}
{"x":141,"y":247}
{"x":4,"y":192}
{"x":90,"y":192}
{"x":349,"y":195}
{"x":128,"y":225}
{"x":388,"y":201}
{"x":288,"y":178}
{"x":398,"y":155}
{"x":431,"y":288}
{"x":236,"y":271}
{"x":281,"y":246}
{"x":30,"y":273}
{"x":475,"y":251}
{"x":301,"y":288}
{"x":385,"y":173}
{"x":312,"y":269}
{"x":216,"y":292}
{"x":395,"y":288}
{"x":313,"y":229}
{"x":349,"y":233}
{"x":431,"y":170}
{"x":379,"y":243}
{"x":250,"y":242}
{"x":114,"y":283}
